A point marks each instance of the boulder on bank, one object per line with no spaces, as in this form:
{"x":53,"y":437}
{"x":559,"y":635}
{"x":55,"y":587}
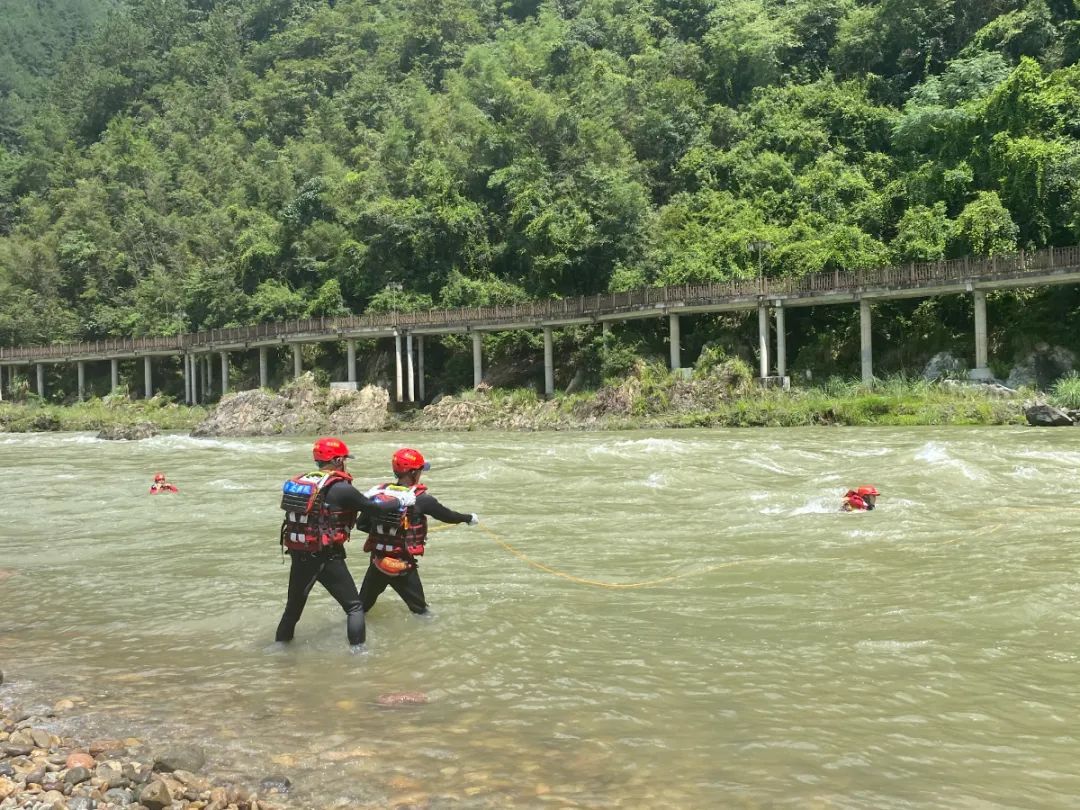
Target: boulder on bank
{"x":131,"y":433}
{"x":1041,"y":367}
{"x":943,"y":365}
{"x":1047,"y":416}
{"x":302,"y":407}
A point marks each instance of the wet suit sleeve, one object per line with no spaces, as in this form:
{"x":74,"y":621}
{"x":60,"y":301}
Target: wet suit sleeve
{"x":428,"y":505}
{"x":345,"y":497}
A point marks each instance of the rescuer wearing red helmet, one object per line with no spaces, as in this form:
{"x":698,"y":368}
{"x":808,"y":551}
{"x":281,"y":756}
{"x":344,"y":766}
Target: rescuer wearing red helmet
{"x":862,"y":499}
{"x":396,"y":541}
{"x":320,"y":511}
{"x":161,"y":485}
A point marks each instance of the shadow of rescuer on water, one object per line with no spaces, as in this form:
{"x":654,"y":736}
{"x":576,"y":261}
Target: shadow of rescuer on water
{"x":321,"y":508}
{"x":397,"y":540}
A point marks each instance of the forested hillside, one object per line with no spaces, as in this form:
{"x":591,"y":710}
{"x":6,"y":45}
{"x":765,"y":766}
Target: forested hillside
{"x":197,"y":163}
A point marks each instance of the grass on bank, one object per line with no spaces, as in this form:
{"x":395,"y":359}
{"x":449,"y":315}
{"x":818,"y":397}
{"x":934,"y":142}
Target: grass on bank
{"x":34,"y":415}
{"x":726,"y":395}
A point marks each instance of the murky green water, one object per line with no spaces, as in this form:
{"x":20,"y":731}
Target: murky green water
{"x":923,"y":655}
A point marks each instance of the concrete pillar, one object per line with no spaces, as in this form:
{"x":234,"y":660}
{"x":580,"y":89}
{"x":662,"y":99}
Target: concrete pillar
{"x":1,"y":383}
{"x":114,"y":374}
{"x":148,"y":381}
{"x":224,"y":373}
{"x":188,"y":399}
{"x":982,"y":356}
{"x":763,"y":340}
{"x":209,"y":372}
{"x":549,"y":363}
{"x":203,"y":372}
{"x":420,"y":367}
{"x":409,"y":370}
{"x":350,"y":351}
{"x":297,"y":361}
{"x":675,"y":339}
{"x":865,"y":342}
{"x":264,"y":368}
{"x":41,"y":380}
{"x":477,"y":360}
{"x":82,"y":380}
{"x":781,"y":344}
{"x":397,"y":366}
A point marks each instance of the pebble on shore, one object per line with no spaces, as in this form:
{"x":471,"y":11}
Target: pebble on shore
{"x":41,"y":771}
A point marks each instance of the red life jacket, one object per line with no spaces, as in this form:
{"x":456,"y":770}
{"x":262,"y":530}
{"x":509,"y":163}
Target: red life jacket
{"x":309,"y":525}
{"x":854,"y":502}
{"x":398,"y":535}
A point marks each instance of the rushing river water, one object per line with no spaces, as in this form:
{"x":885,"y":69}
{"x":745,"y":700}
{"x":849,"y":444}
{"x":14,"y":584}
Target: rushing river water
{"x":922,"y":655}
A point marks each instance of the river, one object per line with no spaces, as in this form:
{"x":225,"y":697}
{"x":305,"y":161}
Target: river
{"x":921,"y":655}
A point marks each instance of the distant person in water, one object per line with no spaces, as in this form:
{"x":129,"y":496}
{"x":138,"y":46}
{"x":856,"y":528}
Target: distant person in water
{"x":161,"y":485}
{"x":862,"y":499}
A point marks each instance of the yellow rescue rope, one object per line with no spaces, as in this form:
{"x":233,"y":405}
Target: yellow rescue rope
{"x":596,"y":583}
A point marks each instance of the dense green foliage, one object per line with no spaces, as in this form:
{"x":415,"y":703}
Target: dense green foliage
{"x":198,"y":163}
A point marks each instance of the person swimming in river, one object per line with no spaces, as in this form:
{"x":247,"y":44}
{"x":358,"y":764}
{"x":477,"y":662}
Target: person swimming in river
{"x":161,"y":485}
{"x":862,"y":499}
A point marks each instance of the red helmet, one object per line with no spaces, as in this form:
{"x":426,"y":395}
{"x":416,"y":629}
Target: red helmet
{"x":329,"y":448}
{"x":159,"y":477}
{"x":870,"y":490}
{"x":406,"y":460}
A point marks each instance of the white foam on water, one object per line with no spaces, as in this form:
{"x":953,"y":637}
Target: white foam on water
{"x":1024,"y":472}
{"x":226,"y":484}
{"x":626,"y":448}
{"x":769,"y":466}
{"x":184,"y":442}
{"x":654,"y":481}
{"x":934,"y":453}
{"x":818,"y":506}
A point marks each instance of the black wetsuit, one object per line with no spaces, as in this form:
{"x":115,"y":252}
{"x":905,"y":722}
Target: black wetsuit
{"x":328,"y":567}
{"x":408,"y":585}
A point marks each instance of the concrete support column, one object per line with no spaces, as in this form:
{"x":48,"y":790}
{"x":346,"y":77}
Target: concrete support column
{"x":209,"y":372}
{"x":420,"y":368}
{"x":409,"y":366}
{"x":224,"y":373}
{"x":397,"y":367}
{"x":82,"y":380}
{"x":865,"y":342}
{"x":264,"y":368}
{"x":982,"y":356}
{"x":114,"y":374}
{"x":41,"y":380}
{"x":1,"y":383}
{"x":297,"y":361}
{"x":477,"y":360}
{"x":675,"y":340}
{"x":763,"y":340}
{"x":188,"y":398}
{"x":148,"y":380}
{"x":549,"y":363}
{"x":350,"y":352}
{"x":781,"y":344}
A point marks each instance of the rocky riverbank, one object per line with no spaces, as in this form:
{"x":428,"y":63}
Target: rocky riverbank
{"x":41,"y":770}
{"x":724,"y":395}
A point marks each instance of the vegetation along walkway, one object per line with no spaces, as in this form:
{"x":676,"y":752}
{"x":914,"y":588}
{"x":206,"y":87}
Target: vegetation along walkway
{"x":408,"y":329}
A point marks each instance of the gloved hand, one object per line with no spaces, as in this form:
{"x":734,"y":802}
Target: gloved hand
{"x":406,"y":498}
{"x":474,"y":520}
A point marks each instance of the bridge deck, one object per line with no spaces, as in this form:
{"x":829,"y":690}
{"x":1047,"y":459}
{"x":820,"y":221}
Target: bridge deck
{"x":1045,"y":267}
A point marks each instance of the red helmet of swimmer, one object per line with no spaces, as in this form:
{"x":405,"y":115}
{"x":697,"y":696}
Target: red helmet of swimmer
{"x":328,"y":448}
{"x":868,"y":490}
{"x":407,"y":460}
{"x":159,"y":477}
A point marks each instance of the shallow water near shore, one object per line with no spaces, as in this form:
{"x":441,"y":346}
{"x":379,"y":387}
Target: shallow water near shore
{"x":923,"y":655}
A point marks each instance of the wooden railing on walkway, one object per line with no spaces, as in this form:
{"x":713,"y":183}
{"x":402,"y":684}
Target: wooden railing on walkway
{"x":906,"y":277}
